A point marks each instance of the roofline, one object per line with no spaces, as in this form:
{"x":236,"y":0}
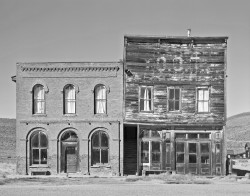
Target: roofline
{"x":173,"y":37}
{"x":65,"y":62}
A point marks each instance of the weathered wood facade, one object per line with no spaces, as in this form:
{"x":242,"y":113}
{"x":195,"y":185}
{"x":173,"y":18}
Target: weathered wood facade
{"x":175,"y":103}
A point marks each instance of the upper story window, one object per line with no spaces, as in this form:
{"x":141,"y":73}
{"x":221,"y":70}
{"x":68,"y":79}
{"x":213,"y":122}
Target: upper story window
{"x":38,"y":148}
{"x":38,"y":99}
{"x":100,"y":94}
{"x":174,"y":99}
{"x":203,"y":100}
{"x":146,"y":100}
{"x":69,"y":99}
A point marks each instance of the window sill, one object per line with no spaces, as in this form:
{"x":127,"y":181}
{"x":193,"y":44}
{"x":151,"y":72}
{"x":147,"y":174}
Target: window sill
{"x":100,"y":166}
{"x":100,"y":115}
{"x":174,"y":112}
{"x":39,"y":166}
{"x":69,"y":115}
{"x":39,"y":115}
{"x":145,"y":112}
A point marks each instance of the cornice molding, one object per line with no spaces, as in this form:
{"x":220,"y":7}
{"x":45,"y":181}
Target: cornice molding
{"x":67,"y":69}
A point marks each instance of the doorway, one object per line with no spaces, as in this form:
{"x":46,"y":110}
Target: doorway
{"x":130,"y":150}
{"x":69,"y":159}
{"x":193,"y":157}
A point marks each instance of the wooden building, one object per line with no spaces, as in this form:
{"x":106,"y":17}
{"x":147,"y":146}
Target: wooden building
{"x":175,"y":104}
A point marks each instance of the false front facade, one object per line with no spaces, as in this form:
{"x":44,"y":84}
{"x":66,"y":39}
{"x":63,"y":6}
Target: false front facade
{"x":175,"y":104}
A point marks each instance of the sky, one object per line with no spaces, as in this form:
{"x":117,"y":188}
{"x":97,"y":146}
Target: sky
{"x":93,"y":30}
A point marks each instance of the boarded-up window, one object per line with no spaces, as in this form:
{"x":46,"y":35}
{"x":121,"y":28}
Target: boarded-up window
{"x":38,"y":99}
{"x":174,"y":99}
{"x":203,"y":100}
{"x":69,"y":99}
{"x":38,"y":148}
{"x":100,"y":148}
{"x":146,"y":98}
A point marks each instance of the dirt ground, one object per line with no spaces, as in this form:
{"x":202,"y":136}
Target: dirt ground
{"x":127,"y":189}
{"x":11,"y":184}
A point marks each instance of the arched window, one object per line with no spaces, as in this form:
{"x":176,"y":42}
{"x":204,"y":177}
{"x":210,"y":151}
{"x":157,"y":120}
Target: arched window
{"x":99,"y":148}
{"x":100,"y":99}
{"x":69,"y":99}
{"x":38,"y":99}
{"x":38,"y":148}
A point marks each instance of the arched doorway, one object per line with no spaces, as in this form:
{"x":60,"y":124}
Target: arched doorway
{"x":69,"y":159}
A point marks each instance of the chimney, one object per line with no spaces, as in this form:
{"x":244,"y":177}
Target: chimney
{"x":188,"y":32}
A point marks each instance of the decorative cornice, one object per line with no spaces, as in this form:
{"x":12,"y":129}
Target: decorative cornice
{"x":67,"y":69}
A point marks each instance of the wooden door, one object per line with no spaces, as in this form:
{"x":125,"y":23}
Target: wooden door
{"x":192,"y":164}
{"x":180,"y":157}
{"x":205,"y":158}
{"x":71,"y":159}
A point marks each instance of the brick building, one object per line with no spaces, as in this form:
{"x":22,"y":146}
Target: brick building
{"x":175,"y":104}
{"x":163,"y":108}
{"x":69,"y":118}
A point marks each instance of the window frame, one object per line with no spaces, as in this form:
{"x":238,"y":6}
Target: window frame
{"x":105,"y":100}
{"x":67,"y":101}
{"x":37,"y":101}
{"x":180,"y":99}
{"x":39,"y":148}
{"x":142,"y":99}
{"x":203,"y":101}
{"x":100,"y":148}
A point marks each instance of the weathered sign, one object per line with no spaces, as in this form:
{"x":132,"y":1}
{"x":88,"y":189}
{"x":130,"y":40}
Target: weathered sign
{"x":241,"y":164}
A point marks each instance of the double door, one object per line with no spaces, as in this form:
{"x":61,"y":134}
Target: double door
{"x":193,"y":157}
